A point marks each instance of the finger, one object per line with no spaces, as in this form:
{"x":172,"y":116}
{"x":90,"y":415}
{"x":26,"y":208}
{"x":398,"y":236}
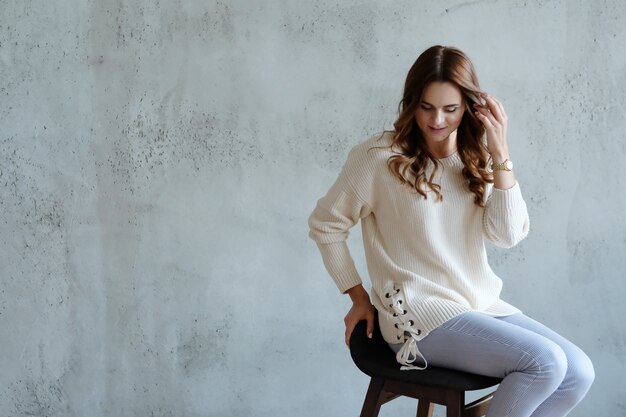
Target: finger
{"x":493,"y":106}
{"x":370,"y":325}
{"x":484,"y":119}
{"x":501,"y":107}
{"x":349,"y":329}
{"x":495,"y":122}
{"x":484,"y":111}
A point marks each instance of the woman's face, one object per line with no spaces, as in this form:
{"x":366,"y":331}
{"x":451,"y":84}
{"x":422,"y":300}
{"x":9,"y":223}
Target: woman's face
{"x":440,"y":111}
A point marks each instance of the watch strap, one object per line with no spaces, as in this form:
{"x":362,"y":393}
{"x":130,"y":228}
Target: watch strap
{"x":506,"y":165}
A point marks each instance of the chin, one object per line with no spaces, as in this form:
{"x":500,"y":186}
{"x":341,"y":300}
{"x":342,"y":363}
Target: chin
{"x":440,"y":138}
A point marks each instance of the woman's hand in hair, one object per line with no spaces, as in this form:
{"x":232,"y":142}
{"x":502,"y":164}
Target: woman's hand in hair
{"x":362,"y":309}
{"x":494,"y":118}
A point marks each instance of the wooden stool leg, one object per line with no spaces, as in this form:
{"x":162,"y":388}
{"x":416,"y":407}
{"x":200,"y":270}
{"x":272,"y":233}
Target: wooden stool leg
{"x":373,"y":399}
{"x":425,"y":408}
{"x":455,"y":403}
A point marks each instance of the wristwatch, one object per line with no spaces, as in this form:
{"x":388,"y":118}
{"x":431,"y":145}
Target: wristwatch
{"x":503,"y":166}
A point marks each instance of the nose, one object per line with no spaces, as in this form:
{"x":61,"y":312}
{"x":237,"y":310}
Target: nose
{"x":438,"y":118}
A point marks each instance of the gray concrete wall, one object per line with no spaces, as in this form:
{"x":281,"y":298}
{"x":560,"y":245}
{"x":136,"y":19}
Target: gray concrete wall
{"x":158,"y":162}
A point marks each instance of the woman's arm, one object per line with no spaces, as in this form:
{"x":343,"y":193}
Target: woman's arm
{"x":329,"y":225}
{"x":495,"y":120}
{"x":334,"y":214}
{"x":347,"y":201}
{"x":505,"y":220}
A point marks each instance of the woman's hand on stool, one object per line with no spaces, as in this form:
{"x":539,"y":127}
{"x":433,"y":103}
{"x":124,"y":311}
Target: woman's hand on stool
{"x":362,"y":309}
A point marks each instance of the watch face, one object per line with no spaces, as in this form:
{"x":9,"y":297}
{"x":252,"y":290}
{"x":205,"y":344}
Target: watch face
{"x":509,"y":165}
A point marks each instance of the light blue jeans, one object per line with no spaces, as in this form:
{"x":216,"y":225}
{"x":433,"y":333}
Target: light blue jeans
{"x":544,"y":373}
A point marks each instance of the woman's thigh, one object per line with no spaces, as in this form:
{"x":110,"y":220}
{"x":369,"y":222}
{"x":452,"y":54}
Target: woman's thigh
{"x":534,"y":326}
{"x":580,"y":372}
{"x":478,"y":343}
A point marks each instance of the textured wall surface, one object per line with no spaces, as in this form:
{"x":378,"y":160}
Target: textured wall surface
{"x":159,"y":160}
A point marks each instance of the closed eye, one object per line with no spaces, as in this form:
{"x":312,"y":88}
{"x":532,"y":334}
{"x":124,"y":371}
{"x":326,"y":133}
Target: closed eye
{"x":446,"y":109}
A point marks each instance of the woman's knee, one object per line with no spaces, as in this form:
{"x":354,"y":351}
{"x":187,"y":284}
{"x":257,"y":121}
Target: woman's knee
{"x":580,"y":372}
{"x":549,"y":363}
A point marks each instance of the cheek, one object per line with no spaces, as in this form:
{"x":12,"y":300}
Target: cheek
{"x":420,"y":119}
{"x":455,"y":119}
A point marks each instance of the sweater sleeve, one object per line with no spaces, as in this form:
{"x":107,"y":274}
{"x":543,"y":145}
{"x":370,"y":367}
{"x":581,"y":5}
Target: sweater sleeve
{"x":505,"y":219}
{"x":335,"y":213}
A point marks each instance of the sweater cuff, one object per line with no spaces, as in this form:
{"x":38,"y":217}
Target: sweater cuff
{"x":507,"y":200}
{"x":340,"y":265}
{"x":506,"y":221}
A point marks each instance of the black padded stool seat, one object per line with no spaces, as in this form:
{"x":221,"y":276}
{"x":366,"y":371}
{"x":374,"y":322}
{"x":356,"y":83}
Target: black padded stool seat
{"x":430,"y":386}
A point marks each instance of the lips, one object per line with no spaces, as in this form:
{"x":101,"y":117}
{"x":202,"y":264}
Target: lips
{"x":434,"y":130}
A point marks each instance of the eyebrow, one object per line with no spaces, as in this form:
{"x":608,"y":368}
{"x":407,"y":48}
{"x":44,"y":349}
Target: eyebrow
{"x":447,"y":105}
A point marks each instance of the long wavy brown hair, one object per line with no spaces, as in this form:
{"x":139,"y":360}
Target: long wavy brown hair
{"x":408,"y":164}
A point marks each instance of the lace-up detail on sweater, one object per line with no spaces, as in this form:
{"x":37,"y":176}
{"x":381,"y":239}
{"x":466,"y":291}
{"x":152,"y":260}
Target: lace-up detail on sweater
{"x":406,"y":331}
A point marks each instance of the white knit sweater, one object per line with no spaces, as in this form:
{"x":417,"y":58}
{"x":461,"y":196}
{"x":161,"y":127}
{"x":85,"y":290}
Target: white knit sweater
{"x":426,"y":259}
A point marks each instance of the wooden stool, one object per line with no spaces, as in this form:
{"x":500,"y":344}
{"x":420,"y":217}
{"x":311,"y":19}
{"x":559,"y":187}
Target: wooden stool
{"x":431,"y":386}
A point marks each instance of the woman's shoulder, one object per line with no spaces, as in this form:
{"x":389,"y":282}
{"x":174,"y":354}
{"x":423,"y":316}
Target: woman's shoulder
{"x":374,"y":148}
{"x":366,"y":164}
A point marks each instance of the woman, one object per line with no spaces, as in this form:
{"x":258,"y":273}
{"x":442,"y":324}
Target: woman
{"x":427,"y":195}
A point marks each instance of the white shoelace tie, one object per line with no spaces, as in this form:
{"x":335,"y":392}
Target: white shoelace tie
{"x":408,"y":354}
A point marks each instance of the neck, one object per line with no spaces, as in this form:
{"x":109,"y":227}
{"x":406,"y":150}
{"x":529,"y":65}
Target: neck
{"x":444,"y":148}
